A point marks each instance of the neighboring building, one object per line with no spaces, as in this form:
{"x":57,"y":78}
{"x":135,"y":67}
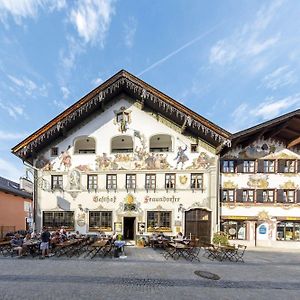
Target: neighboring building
{"x":126,"y":158}
{"x":260,"y":179}
{"x":15,"y":207}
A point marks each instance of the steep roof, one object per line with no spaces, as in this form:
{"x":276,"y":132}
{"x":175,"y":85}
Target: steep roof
{"x":285,"y":129}
{"x":121,"y":83}
{"x":12,"y":187}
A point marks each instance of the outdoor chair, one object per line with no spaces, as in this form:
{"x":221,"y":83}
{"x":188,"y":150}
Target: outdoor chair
{"x":239,"y":253}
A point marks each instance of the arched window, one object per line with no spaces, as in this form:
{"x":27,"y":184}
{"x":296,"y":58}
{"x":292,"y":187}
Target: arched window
{"x":122,"y":143}
{"x":161,"y":143}
{"x":85,"y":145}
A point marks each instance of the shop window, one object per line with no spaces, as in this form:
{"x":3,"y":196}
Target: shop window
{"x":57,"y":182}
{"x":228,"y":166}
{"x":111,"y":181}
{"x":130,"y":181}
{"x":92,"y":182}
{"x":248,"y":166}
{"x":197,"y":181}
{"x":235,"y":230}
{"x":122,"y":144}
{"x":288,"y":231}
{"x":228,"y":196}
{"x":85,"y":145}
{"x":170,"y":181}
{"x":248,"y":195}
{"x":161,"y":143}
{"x":150,"y":182}
{"x":158,"y":221}
{"x":100,"y":220}
{"x":56,"y":219}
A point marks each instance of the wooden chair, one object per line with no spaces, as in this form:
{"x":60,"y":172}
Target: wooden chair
{"x":239,"y":253}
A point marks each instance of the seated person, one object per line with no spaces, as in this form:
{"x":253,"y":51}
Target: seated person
{"x":27,"y":238}
{"x":179,"y":236}
{"x":55,"y":239}
{"x":34,"y":235}
{"x":77,"y":235}
{"x":161,"y":235}
{"x":17,"y":243}
{"x":115,"y":236}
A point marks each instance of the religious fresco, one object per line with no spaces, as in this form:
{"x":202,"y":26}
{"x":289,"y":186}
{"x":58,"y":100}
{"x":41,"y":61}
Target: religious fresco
{"x":74,"y":180}
{"x":122,"y":118}
{"x":259,"y":181}
{"x":65,"y":160}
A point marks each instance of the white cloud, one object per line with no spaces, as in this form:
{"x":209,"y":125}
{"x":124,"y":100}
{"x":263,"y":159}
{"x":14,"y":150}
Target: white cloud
{"x":97,"y":81}
{"x":6,"y":136}
{"x":249,"y":41}
{"x":13,"y":110}
{"x":280,"y":77}
{"x":65,"y":91}
{"x":129,"y":32}
{"x":60,"y":105}
{"x":10,"y":171}
{"x":28,"y":86}
{"x":92,"y":19}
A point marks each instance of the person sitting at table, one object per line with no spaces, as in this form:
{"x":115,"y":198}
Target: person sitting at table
{"x":77,"y":235}
{"x":55,"y":239}
{"x":27,"y":238}
{"x":161,"y":236}
{"x":34,"y":235}
{"x":17,"y":243}
{"x":179,"y":236}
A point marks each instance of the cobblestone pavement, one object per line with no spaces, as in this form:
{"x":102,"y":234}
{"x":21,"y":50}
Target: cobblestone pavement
{"x":144,"y":273}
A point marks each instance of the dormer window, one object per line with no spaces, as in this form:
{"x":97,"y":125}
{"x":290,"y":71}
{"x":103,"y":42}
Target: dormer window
{"x":85,"y":145}
{"x":161,"y":143}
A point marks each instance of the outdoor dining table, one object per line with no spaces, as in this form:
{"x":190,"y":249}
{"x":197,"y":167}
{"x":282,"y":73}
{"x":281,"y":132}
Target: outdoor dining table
{"x":4,"y":246}
{"x":97,"y":247}
{"x":65,"y":247}
{"x":175,"y":250}
{"x":33,"y":247}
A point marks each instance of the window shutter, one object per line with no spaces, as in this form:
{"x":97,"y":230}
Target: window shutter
{"x":221,"y":195}
{"x":298,"y":196}
{"x":221,"y":165}
{"x":240,"y":166}
{"x":280,"y":196}
{"x":239,"y":195}
{"x":259,"y":196}
{"x":298,"y":165}
{"x":260,"y":166}
{"x":281,"y":165}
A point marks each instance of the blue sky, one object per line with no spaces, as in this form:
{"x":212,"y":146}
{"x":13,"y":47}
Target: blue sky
{"x":234,"y":62}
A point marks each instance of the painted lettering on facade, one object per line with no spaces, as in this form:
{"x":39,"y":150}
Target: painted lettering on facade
{"x":105,"y":199}
{"x":171,"y":199}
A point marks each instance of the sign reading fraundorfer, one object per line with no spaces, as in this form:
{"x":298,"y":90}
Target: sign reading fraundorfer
{"x":171,"y":199}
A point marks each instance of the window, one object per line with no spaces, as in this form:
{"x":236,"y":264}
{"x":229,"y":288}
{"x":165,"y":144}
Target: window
{"x":288,"y":231}
{"x":170,"y":181}
{"x":269,"y":166}
{"x":248,"y":166}
{"x":248,"y":195}
{"x":161,"y":143}
{"x":56,"y":219}
{"x":100,"y":220}
{"x":85,"y":145}
{"x":111,"y":181}
{"x":194,"y":148}
{"x":57,"y":182}
{"x":228,"y":166}
{"x":268,"y":196}
{"x":130,"y":181}
{"x":288,"y":196}
{"x":289,"y":166}
{"x":150,"y":183}
{"x":235,"y":230}
{"x":197,"y":181}
{"x":158,"y":220}
{"x":228,"y":196}
{"x":54,"y":151}
{"x":122,"y":144}
{"x":92,"y":183}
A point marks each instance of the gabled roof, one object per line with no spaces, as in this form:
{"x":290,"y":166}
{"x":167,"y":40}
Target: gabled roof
{"x":285,"y":129}
{"x":121,"y":83}
{"x":12,"y":187}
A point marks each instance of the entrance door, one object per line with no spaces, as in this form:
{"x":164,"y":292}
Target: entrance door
{"x":198,"y":224}
{"x":129,"y":226}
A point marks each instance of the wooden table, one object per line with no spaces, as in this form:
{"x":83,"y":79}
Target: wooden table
{"x":98,"y":247}
{"x":175,"y":250}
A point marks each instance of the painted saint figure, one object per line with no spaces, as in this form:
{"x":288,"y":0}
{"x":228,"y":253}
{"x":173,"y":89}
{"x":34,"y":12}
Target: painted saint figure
{"x":181,"y":156}
{"x":65,"y":159}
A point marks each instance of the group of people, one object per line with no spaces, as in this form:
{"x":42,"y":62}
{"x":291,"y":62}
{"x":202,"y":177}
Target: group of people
{"x":45,"y":239}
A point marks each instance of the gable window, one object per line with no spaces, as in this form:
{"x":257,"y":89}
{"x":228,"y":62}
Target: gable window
{"x":111,"y":181}
{"x":122,"y":144}
{"x":228,"y":196}
{"x":228,"y":166}
{"x":249,"y":166}
{"x":85,"y":145}
{"x":130,"y":181}
{"x":57,"y":219}
{"x":92,"y":183}
{"x":289,"y":166}
{"x":161,"y":143}
{"x":289,"y":196}
{"x":170,"y":181}
{"x":197,"y":181}
{"x":150,"y":182}
{"x":100,"y":220}
{"x":54,"y":151}
{"x":248,"y":195}
{"x":158,"y":220}
{"x":269,"y":166}
{"x":57,"y":182}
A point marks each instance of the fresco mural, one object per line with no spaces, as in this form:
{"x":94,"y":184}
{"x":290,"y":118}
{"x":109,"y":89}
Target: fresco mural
{"x":65,"y":160}
{"x":203,"y":161}
{"x":259,"y":181}
{"x":122,"y":118}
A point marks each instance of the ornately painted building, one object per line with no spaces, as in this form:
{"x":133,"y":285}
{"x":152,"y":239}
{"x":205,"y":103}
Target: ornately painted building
{"x":126,"y":158}
{"x":260,"y":179}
